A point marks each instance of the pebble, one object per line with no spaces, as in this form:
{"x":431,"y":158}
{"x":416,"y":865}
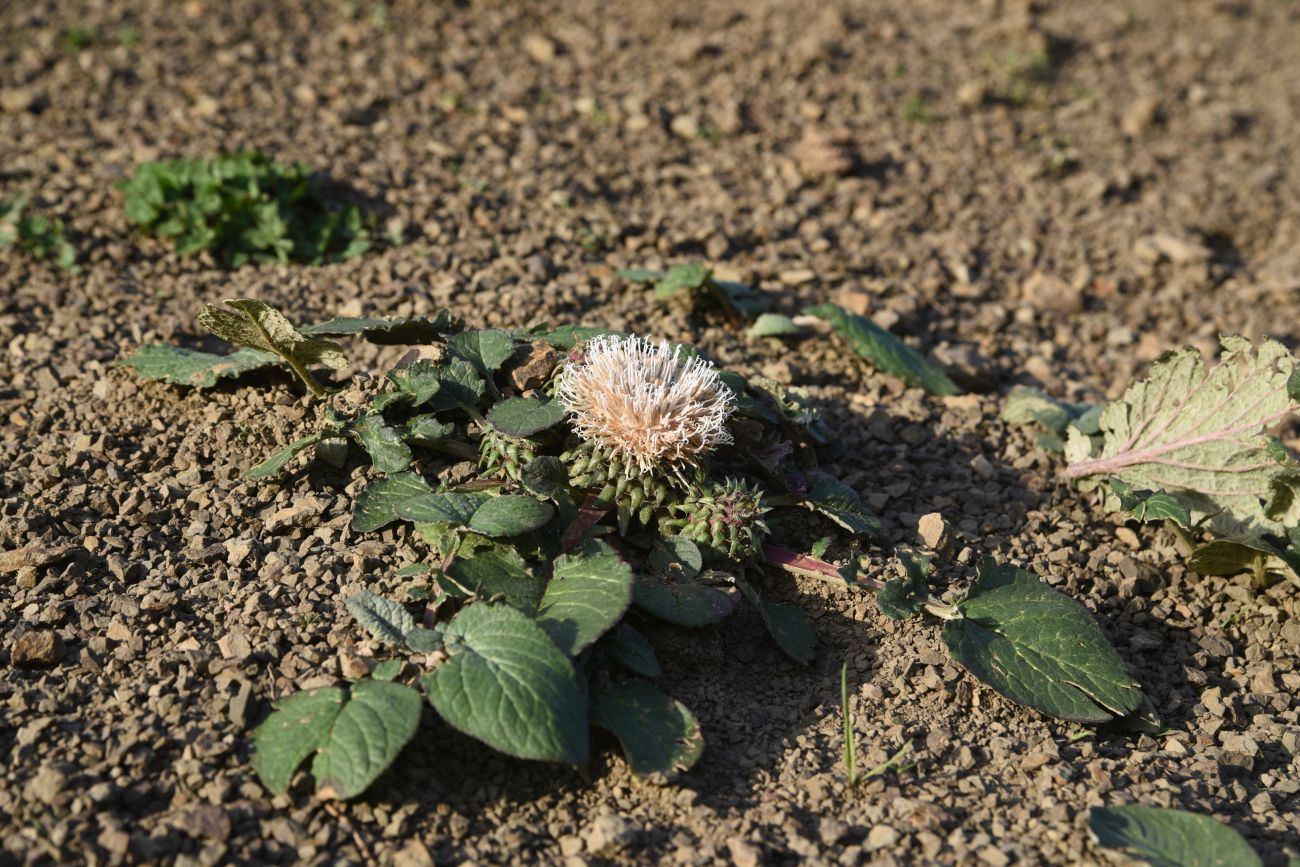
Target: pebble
{"x":881,"y":837}
{"x":608,"y":832}
{"x":933,"y":532}
{"x":1050,"y":294}
{"x":46,"y":786}
{"x":743,"y":854}
{"x":39,"y":648}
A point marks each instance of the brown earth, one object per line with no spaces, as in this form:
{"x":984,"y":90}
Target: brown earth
{"x":1043,"y":193}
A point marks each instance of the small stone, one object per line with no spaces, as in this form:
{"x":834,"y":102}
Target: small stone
{"x":822,"y":154}
{"x":235,"y":645}
{"x":972,"y":94}
{"x":204,"y":822}
{"x":537,"y":368}
{"x":881,"y":837}
{"x":539,"y":48}
{"x":240,"y":705}
{"x":685,"y":126}
{"x":933,"y":532}
{"x":353,"y":665}
{"x":38,"y":649}
{"x":742,"y":854}
{"x":1128,"y":537}
{"x":1051,"y":294}
{"x":118,"y":631}
{"x":237,"y":551}
{"x":798,"y":276}
{"x":32,"y":556}
{"x":46,"y":786}
{"x":607,"y":833}
{"x":413,"y":854}
{"x":296,"y":514}
{"x":854,"y":299}
{"x":1139,"y":116}
{"x":570,"y":845}
{"x":20,"y":99}
{"x":982,"y":467}
{"x":115,"y":840}
{"x":993,"y":856}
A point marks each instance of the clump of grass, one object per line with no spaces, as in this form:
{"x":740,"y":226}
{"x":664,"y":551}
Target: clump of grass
{"x":37,"y":235}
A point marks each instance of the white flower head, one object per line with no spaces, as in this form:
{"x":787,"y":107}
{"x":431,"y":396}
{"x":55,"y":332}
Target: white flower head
{"x":648,"y":403}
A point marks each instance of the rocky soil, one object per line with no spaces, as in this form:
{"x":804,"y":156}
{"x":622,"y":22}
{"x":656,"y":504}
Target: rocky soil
{"x":1046,"y":193}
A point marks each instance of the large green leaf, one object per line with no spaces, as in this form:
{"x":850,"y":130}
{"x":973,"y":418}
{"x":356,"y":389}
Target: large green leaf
{"x":1170,"y":838}
{"x":426,"y":431}
{"x":389,"y":332}
{"x":257,"y":325}
{"x":451,"y":507}
{"x":460,"y":386}
{"x":589,"y":591}
{"x":388,"y":451}
{"x":355,"y":734}
{"x":884,"y":350}
{"x":659,"y":735}
{"x":683,"y":601}
{"x":1039,"y":648}
{"x":566,"y":336}
{"x":377,"y":505}
{"x":510,"y":515}
{"x":525,"y":416}
{"x":1202,"y":435}
{"x":629,"y":646}
{"x":180,"y":366}
{"x":413,"y":385}
{"x":507,"y":684}
{"x":383,"y":618}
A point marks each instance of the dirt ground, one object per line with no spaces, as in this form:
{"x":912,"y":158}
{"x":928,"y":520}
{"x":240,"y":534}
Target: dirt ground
{"x":1045,"y":193}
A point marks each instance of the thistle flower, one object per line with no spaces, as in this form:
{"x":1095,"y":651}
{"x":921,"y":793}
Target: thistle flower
{"x":647,"y":405}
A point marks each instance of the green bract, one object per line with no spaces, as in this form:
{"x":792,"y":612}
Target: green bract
{"x":549,"y":568}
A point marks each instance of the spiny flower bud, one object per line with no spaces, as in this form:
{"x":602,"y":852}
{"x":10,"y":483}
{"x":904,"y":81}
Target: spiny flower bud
{"x":725,"y":520}
{"x":648,"y":405}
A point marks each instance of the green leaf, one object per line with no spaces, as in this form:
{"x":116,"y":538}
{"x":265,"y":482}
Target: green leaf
{"x":772,"y":325}
{"x":421,"y":640}
{"x":415,"y":385}
{"x":297,"y":728}
{"x":485,"y":350}
{"x":388,"y":669}
{"x":631,"y":648}
{"x":659,"y":735}
{"x":356,"y":735}
{"x":683,"y":601}
{"x":510,"y":515}
{"x":451,"y":507}
{"x":787,"y":624}
{"x":1170,"y":838}
{"x":525,"y":416}
{"x":426,"y":431}
{"x":884,"y":350}
{"x":373,"y":727}
{"x":1147,"y":506}
{"x":390,"y":332}
{"x":900,"y":598}
{"x":589,"y":591}
{"x":693,"y":276}
{"x":1040,"y":648}
{"x":546,"y":476}
{"x":388,"y":452}
{"x":1200,"y":435}
{"x":499,"y":571}
{"x":841,"y":504}
{"x":257,"y":325}
{"x":459,"y":387}
{"x":277,"y":461}
{"x":376,"y":506}
{"x":1026,"y":405}
{"x":639,"y":275}
{"x":1232,"y":557}
{"x":507,"y":684}
{"x":676,"y":556}
{"x":180,"y":366}
{"x":383,"y":618}
{"x":566,"y":337}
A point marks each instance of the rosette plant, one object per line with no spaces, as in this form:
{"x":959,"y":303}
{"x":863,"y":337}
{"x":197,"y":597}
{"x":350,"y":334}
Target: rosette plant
{"x":572,"y":490}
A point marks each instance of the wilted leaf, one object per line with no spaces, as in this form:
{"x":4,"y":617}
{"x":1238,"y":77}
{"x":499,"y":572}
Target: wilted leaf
{"x":1201,"y":435}
{"x":1170,"y":838}
{"x":588,"y":592}
{"x":507,"y":684}
{"x":383,"y":618}
{"x":659,"y":735}
{"x":884,"y":350}
{"x":525,"y":416}
{"x":257,"y":325}
{"x":1039,"y":648}
{"x":355,"y":734}
{"x":376,"y":506}
{"x":180,"y":366}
